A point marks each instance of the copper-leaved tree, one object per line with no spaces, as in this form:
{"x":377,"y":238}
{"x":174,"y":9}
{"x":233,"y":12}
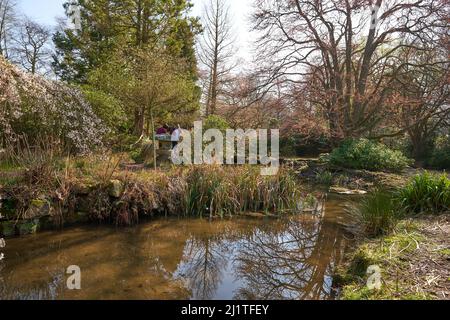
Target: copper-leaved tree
{"x":342,"y":53}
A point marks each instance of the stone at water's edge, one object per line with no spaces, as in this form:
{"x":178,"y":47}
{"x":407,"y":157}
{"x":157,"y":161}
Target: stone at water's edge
{"x":38,"y":208}
{"x":28,"y":227}
{"x":340,"y":190}
{"x":84,"y":189}
{"x":116,"y":188}
{"x":22,"y":227}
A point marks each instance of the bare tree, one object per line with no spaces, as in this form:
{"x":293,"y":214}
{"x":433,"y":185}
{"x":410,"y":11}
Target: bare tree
{"x":31,"y":46}
{"x":422,"y":98}
{"x":7,"y":20}
{"x":344,"y":52}
{"x":216,"y":50}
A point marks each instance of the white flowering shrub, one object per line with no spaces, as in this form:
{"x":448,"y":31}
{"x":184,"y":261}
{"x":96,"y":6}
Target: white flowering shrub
{"x":33,"y":105}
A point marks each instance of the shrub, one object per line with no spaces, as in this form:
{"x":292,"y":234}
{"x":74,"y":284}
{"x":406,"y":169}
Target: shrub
{"x":377,"y":213}
{"x":293,"y":145}
{"x":288,"y":146}
{"x":215,"y":122}
{"x":440,"y":156}
{"x":34,"y":106}
{"x":108,"y":109}
{"x":324,"y":178}
{"x":369,"y":155}
{"x":426,"y":193}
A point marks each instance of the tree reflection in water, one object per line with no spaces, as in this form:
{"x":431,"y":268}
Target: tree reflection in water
{"x":294,"y":264}
{"x":203,"y":264}
{"x":288,"y":259}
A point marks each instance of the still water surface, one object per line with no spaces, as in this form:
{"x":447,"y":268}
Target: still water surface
{"x":289,"y":258}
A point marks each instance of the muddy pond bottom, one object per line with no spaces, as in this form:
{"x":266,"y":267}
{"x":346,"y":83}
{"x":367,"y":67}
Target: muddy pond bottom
{"x":288,"y":258}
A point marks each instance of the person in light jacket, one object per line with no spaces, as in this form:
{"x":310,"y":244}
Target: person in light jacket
{"x":176,"y":134}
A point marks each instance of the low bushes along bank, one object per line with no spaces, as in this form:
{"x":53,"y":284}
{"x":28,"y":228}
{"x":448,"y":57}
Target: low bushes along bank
{"x":103,"y":193}
{"x":368,"y":155}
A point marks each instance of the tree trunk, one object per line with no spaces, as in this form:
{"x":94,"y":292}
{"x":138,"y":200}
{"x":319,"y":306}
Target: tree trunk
{"x":139,"y":120}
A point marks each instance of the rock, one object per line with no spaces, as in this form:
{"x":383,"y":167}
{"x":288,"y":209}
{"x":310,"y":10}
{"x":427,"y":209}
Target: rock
{"x":340,"y":190}
{"x":85,"y":188}
{"x":76,"y":217}
{"x":115,"y":188}
{"x":7,"y":228}
{"x":28,"y":227}
{"x":38,"y":208}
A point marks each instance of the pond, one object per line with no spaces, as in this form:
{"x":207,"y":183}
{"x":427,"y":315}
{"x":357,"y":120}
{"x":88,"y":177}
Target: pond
{"x":288,"y":258}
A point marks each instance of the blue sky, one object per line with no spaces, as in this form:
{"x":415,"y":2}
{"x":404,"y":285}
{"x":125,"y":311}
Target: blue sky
{"x":45,"y":12}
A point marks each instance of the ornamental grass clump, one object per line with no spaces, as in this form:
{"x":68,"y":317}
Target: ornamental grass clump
{"x":377,"y":213}
{"x":226,"y":191}
{"x":426,"y":193}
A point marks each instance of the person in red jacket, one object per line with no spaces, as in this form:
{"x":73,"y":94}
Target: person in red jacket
{"x":163,"y":130}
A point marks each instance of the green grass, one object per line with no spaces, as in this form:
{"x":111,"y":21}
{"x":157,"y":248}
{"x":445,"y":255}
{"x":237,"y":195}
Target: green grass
{"x":324,"y":178}
{"x":390,"y":254}
{"x":381,"y":214}
{"x":356,"y":292}
{"x":426,"y":193}
{"x":377,"y":213}
{"x":9,"y":173}
{"x":7,"y":166}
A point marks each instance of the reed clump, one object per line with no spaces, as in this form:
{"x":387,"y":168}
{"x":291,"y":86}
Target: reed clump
{"x":227,"y":191}
{"x":379,"y":212}
{"x":205,"y":191}
{"x":426,"y":193}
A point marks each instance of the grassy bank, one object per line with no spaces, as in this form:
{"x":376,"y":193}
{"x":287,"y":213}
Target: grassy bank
{"x":406,"y":233}
{"x":414,"y":262}
{"x":99,"y":189}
